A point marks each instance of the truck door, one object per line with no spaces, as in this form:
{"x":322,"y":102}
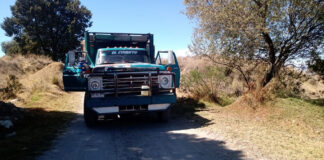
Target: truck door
{"x":169,"y":59}
{"x":72,"y":79}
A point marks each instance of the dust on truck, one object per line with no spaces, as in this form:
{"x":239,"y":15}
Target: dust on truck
{"x":120,"y":74}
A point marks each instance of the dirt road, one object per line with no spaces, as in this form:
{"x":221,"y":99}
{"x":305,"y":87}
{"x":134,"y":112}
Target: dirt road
{"x":139,"y":137}
{"x":211,"y":134}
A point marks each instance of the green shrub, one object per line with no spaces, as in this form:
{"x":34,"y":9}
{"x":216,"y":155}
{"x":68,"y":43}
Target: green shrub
{"x":288,"y":84}
{"x":11,"y":47}
{"x":319,"y":102}
{"x":225,"y":100}
{"x":207,"y":83}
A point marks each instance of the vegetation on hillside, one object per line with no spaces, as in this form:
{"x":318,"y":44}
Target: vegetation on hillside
{"x":45,"y":27}
{"x":44,"y":108}
{"x":316,"y":64}
{"x":203,"y":80}
{"x":240,"y":46}
{"x":15,"y":68}
{"x":245,"y":33}
{"x":12,"y":88}
{"x":210,"y":83}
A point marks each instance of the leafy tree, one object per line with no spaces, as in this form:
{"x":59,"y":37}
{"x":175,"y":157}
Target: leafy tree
{"x":49,"y":27}
{"x":316,"y":64}
{"x":10,"y":47}
{"x":273,"y":33}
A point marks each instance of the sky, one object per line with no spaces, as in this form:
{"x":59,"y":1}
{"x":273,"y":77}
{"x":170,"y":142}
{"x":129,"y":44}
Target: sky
{"x":164,"y":18}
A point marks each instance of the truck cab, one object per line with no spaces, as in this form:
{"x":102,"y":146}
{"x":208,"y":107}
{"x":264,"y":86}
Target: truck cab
{"x":120,"y":73}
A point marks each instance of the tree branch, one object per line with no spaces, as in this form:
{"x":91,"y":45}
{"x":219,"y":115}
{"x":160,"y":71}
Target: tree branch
{"x":272,"y":50}
{"x":231,"y":65}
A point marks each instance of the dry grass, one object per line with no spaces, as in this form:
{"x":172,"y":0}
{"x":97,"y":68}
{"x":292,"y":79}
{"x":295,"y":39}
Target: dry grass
{"x":284,"y":129}
{"x":200,"y":79}
{"x":41,"y":82}
{"x":263,"y":125}
{"x":12,"y":88}
{"x":314,"y":87}
{"x":19,"y":66}
{"x":48,"y":107}
{"x":37,"y":74}
{"x":291,"y":83}
{"x":188,"y":64}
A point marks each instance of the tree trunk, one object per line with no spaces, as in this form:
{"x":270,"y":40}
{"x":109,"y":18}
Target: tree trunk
{"x":272,"y":72}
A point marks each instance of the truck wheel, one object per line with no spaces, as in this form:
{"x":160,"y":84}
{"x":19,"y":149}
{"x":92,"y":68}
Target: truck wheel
{"x":164,"y":116}
{"x":90,"y":117}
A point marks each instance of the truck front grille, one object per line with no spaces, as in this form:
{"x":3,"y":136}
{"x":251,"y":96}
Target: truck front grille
{"x":129,"y":83}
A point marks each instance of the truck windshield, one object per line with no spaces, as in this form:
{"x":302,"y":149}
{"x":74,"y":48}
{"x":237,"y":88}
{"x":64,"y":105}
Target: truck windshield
{"x":122,"y":56}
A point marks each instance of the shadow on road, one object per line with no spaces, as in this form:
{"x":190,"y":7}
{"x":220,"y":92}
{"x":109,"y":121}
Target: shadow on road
{"x":187,"y":107}
{"x":32,"y":132}
{"x":138,"y":137}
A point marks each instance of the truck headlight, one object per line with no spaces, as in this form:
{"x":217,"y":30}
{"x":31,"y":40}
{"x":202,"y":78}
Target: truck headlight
{"x":95,"y":83}
{"x":165,"y":81}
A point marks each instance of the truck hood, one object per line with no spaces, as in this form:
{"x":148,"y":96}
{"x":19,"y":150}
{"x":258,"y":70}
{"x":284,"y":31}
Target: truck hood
{"x":128,"y":67}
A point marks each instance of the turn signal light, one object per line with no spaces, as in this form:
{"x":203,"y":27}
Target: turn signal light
{"x":169,"y":69}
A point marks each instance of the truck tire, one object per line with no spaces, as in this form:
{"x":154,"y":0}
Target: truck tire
{"x":90,"y":117}
{"x":164,"y":116}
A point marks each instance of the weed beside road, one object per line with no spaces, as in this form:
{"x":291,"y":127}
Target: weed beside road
{"x":35,"y":85}
{"x":44,"y":118}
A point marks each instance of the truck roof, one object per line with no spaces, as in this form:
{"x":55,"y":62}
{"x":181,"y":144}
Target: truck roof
{"x":118,"y":49}
{"x":100,"y":40}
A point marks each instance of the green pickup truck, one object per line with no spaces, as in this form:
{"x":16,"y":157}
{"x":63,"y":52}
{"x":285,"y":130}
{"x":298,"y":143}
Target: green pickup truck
{"x":120,"y":73}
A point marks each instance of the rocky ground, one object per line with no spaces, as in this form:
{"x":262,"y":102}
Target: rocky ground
{"x":9,"y":115}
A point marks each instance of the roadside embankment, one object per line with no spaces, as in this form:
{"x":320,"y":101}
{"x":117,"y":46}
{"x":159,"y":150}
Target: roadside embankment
{"x":34,"y":109}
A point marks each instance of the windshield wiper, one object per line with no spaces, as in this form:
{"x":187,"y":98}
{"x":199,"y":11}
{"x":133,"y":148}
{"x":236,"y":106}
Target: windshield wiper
{"x":108,"y":63}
